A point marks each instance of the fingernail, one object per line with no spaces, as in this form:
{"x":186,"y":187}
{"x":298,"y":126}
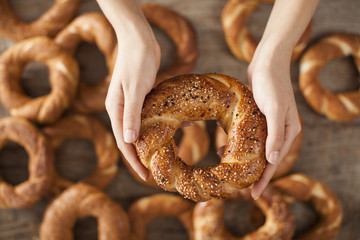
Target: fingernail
{"x":129,"y":136}
{"x":274,"y":157}
{"x":256,"y":196}
{"x":143,"y":177}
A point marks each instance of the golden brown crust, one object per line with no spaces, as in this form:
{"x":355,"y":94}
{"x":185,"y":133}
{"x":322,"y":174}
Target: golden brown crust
{"x":48,"y":24}
{"x":89,"y":128}
{"x":208,"y":218}
{"x":342,"y":107}
{"x":240,"y":41}
{"x":194,"y":145}
{"x":145,"y":209}
{"x":181,"y":32}
{"x":326,"y":204}
{"x":79,"y":201}
{"x":195,"y":97}
{"x":93,"y":28}
{"x":40,"y":162}
{"x":286,"y":164}
{"x":63,"y":77}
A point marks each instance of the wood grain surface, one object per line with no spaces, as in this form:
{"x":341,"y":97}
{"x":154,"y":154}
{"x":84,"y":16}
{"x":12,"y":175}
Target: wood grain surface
{"x":330,"y":151}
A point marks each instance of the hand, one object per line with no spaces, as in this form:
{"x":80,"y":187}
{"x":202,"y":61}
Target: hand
{"x":269,"y":78}
{"x":134,"y":74}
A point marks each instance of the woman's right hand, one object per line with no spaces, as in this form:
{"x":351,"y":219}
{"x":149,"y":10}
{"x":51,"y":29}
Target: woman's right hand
{"x":137,"y":63}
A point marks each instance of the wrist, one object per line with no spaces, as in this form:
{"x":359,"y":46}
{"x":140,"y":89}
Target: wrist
{"x":274,"y":51}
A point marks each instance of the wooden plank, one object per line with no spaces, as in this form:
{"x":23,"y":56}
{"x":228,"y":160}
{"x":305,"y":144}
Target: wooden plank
{"x":330,"y":151}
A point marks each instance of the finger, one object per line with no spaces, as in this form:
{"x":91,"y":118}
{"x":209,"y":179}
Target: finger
{"x":275,"y":139}
{"x":292,"y":129}
{"x":130,"y":156}
{"x":115,"y":111}
{"x":264,"y":180}
{"x":220,"y":151}
{"x":133,"y":104}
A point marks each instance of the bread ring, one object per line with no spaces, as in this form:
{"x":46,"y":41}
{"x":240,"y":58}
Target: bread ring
{"x":147,"y":208}
{"x":52,"y":21}
{"x":63,"y":77}
{"x":92,"y":129}
{"x":208,"y":218}
{"x":79,"y":201}
{"x":41,"y":166}
{"x":194,"y":145}
{"x":195,"y":97}
{"x":93,"y":28}
{"x":302,"y":188}
{"x":181,"y":32}
{"x":240,"y":41}
{"x":288,"y":161}
{"x":342,"y":107}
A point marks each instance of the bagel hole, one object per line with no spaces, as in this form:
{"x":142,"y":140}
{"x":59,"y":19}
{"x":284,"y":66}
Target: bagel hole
{"x":340,"y":75}
{"x":304,"y":214}
{"x":178,"y":136}
{"x":76,"y":159}
{"x":14,"y":163}
{"x":35,"y":80}
{"x":257,"y":20}
{"x":305,"y":217}
{"x":86,"y":228}
{"x":169,"y":228}
{"x":211,"y":158}
{"x":236,"y":217}
{"x":29,"y":11}
{"x":167,"y":47}
{"x":92,"y":63}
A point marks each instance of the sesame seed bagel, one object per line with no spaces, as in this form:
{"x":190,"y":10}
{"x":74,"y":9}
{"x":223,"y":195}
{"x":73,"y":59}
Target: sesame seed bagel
{"x":95,"y":29}
{"x":208,"y":218}
{"x":195,"y":97}
{"x":63,"y":79}
{"x":48,"y":24}
{"x":299,"y":187}
{"x":142,"y":211}
{"x":342,"y":106}
{"x":241,"y":42}
{"x":180,"y":31}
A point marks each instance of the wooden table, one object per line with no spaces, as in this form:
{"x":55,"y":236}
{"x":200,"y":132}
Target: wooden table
{"x":330,"y":151}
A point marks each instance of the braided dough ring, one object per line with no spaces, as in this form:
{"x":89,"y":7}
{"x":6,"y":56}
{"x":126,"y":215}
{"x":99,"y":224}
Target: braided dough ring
{"x":63,"y":77}
{"x":79,"y":201}
{"x":343,"y":107}
{"x":194,"y":145}
{"x":208,"y":218}
{"x":145,"y":209}
{"x":302,"y":188}
{"x":286,"y":164}
{"x":195,"y":97}
{"x":48,"y":24}
{"x":92,"y":28}
{"x":41,"y":167}
{"x":92,"y":129}
{"x":240,"y":41}
{"x":181,"y":32}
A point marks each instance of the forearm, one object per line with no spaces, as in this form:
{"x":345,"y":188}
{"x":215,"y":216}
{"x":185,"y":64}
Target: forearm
{"x":124,"y":15}
{"x":287,"y":22}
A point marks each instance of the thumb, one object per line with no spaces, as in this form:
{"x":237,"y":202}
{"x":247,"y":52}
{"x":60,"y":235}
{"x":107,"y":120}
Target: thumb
{"x":275,"y":138}
{"x":133,"y":104}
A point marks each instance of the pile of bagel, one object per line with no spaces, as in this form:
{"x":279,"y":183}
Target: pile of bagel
{"x":41,"y":125}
